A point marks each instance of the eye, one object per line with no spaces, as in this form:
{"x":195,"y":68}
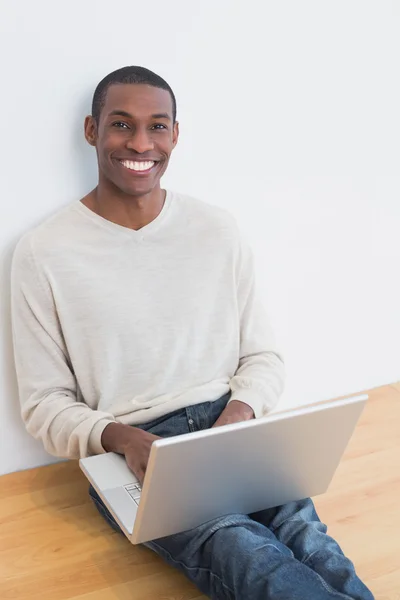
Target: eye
{"x":120,"y":125}
{"x":159,"y":126}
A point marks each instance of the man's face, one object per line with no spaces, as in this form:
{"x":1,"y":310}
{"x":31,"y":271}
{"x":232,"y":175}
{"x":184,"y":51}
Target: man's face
{"x":134,"y":137}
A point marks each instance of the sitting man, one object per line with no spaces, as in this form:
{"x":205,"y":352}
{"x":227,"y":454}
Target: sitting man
{"x":135,"y":316}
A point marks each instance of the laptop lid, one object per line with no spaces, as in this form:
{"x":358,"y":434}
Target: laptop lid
{"x":243,"y":468}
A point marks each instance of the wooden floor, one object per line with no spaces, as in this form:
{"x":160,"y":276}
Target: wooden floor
{"x":54,"y":545}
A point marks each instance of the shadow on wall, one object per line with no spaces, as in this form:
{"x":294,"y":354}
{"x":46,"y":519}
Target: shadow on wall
{"x":18,"y":449}
{"x":85,"y":163}
{"x":6,"y":349}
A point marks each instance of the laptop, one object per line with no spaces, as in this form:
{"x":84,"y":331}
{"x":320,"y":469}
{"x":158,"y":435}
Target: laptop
{"x":240,"y":468}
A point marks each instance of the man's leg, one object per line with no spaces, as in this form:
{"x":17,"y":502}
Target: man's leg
{"x":237,"y":558}
{"x":297,"y":526}
{"x":234,"y":557}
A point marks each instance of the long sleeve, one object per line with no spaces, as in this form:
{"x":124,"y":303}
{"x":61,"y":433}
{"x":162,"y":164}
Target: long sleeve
{"x":47,"y":385}
{"x":259,"y":379}
{"x":114,"y":325}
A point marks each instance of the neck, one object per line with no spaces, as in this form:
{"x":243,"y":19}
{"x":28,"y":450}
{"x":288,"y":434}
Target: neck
{"x":133,"y":212}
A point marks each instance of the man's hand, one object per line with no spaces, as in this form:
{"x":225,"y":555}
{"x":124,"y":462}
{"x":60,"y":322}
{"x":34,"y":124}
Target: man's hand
{"x":234,"y":412}
{"x":134,"y":443}
{"x":137,"y":452}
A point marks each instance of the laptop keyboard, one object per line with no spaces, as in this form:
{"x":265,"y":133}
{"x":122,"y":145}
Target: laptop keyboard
{"x":134,"y":490}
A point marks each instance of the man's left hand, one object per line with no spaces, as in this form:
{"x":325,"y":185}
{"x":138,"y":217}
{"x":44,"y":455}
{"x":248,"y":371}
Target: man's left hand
{"x":234,"y":412}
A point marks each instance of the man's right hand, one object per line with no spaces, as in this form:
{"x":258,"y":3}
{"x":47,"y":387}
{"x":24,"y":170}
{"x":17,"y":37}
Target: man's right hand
{"x":135,"y":444}
{"x":137,"y":452}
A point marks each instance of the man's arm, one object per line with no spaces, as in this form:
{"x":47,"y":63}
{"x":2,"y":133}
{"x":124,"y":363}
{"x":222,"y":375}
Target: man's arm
{"x":259,"y":379}
{"x":46,"y":382}
{"x":234,"y":412}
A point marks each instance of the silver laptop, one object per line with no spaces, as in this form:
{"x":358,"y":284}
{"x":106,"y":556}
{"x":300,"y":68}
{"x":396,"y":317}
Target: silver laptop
{"x":240,"y":468}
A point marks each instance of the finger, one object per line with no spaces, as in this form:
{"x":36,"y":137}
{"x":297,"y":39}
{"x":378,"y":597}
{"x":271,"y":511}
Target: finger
{"x":141,"y":474}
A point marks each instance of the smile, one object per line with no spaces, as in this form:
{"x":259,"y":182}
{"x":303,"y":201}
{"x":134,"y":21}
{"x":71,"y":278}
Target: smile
{"x":138,"y":166}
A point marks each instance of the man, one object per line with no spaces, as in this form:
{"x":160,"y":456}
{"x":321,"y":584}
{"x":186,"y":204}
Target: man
{"x":135,"y":317}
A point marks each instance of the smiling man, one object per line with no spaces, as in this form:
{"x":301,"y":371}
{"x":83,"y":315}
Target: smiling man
{"x":135,"y":316}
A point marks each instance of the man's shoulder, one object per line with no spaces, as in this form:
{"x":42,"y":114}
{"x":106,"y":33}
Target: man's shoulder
{"x":45,"y":237}
{"x":206,"y":215}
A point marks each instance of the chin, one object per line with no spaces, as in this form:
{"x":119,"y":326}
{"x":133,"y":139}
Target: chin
{"x":143,"y":191}
{"x":136,"y":190}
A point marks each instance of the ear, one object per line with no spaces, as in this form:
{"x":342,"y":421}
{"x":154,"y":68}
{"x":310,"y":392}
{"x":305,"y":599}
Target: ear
{"x":90,"y":130}
{"x":175,"y":134}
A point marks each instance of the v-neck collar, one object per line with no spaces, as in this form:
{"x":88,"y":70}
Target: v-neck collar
{"x":138,"y":234}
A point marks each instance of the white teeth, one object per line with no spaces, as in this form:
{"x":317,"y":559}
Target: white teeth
{"x":138,"y":166}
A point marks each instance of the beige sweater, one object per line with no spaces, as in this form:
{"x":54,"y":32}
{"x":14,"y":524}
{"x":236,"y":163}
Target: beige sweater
{"x":115,"y":324}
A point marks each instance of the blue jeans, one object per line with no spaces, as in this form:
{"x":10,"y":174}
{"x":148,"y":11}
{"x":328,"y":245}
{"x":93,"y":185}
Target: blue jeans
{"x":282,"y":553}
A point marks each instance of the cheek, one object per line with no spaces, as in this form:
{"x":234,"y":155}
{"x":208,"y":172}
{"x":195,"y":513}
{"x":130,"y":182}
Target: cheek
{"x":103,"y":159}
{"x":165,"y":147}
{"x":110,"y":141}
{"x":164,"y":166}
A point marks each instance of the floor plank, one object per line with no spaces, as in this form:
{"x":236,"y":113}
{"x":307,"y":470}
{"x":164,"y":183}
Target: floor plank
{"x":54,"y":545}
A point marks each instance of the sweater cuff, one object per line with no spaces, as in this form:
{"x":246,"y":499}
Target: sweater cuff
{"x":252,"y":399}
{"x":94,"y":442}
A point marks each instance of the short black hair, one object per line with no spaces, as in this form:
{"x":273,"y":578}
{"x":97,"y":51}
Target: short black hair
{"x":128,"y":75}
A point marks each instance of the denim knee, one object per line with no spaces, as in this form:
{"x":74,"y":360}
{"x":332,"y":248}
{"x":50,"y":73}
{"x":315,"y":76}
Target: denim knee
{"x":103,"y":510}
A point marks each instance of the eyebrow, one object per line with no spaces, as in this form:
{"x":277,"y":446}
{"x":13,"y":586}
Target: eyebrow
{"x":123,"y":113}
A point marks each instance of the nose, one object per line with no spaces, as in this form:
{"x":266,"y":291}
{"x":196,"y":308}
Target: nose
{"x":140,"y":141}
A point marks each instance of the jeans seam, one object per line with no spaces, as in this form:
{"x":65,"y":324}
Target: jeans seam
{"x":326,"y":585}
{"x":226,"y":523}
{"x":198,"y":569}
{"x":331,"y":590}
{"x":234,"y":523}
{"x":205,"y":418}
{"x":307,"y":558}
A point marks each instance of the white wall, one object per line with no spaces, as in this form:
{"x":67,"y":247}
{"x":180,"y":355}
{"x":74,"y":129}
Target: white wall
{"x":289,"y":118}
